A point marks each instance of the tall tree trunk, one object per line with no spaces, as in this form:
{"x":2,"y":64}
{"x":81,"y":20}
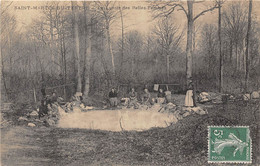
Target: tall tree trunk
{"x":244,"y":56}
{"x":189,"y":42}
{"x":247,"y":45}
{"x":11,"y":60}
{"x":155,"y":71}
{"x":104,"y":64}
{"x":76,"y":38}
{"x":3,"y":76}
{"x":61,"y":52}
{"x":210,"y":56}
{"x":193,"y":50}
{"x":51,"y":42}
{"x":195,"y":59}
{"x":168,"y":67}
{"x":241,"y":59}
{"x":132,"y":67}
{"x":220,"y":51}
{"x":41,"y":66}
{"x":231,"y":51}
{"x":122,"y":42}
{"x":237,"y":58}
{"x":110,"y":50}
{"x":88,"y":49}
{"x":65,"y":66}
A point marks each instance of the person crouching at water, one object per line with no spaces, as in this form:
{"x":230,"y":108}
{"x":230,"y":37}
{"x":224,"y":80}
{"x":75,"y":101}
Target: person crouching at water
{"x":113,"y":97}
{"x":190,"y":96}
{"x":160,"y":96}
{"x":133,"y":99}
{"x":54,"y":97}
{"x":146,"y":99}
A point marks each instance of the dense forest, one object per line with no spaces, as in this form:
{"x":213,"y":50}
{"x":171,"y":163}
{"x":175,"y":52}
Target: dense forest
{"x":70,"y":51}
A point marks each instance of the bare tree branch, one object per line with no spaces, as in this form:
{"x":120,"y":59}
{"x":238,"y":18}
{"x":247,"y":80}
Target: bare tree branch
{"x":182,"y":8}
{"x":173,"y":5}
{"x":205,"y":11}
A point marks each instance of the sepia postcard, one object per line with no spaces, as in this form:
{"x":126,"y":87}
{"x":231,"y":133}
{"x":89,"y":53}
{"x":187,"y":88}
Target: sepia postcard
{"x":128,"y":82}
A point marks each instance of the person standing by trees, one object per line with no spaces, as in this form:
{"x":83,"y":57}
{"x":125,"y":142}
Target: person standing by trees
{"x":190,"y":95}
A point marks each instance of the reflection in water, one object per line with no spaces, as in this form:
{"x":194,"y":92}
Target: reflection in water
{"x":116,"y":120}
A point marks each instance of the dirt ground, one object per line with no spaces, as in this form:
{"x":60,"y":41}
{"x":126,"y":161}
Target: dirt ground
{"x":184,"y":143}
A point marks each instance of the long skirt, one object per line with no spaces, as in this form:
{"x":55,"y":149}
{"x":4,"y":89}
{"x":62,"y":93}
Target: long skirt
{"x":189,"y":99}
{"x":113,"y":101}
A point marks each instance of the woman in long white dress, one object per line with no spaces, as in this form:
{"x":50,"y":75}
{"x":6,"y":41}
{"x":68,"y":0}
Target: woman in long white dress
{"x":189,"y":96}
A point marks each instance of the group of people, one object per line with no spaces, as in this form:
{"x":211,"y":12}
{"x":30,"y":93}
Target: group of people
{"x":146,"y":98}
{"x":48,"y":101}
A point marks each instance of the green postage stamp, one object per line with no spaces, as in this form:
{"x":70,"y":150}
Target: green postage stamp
{"x":229,"y":144}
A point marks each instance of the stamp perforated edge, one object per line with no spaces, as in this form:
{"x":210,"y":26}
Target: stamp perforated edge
{"x":234,"y":162}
